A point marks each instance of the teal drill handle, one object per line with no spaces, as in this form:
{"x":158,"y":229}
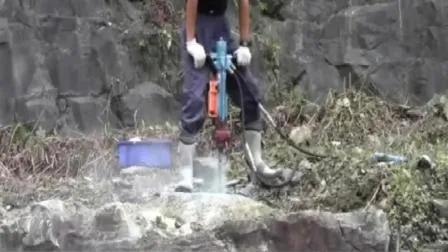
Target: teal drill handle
{"x":222,"y":63}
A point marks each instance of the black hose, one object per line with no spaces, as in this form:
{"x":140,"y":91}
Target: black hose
{"x":277,"y":129}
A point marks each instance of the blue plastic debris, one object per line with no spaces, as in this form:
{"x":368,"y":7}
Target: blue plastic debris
{"x":387,"y":158}
{"x":152,"y":153}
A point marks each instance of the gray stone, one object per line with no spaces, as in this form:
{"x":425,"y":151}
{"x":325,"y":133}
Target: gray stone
{"x":300,"y":134}
{"x":91,"y":113}
{"x":150,"y":103}
{"x":318,"y":76}
{"x":441,"y":207}
{"x":313,"y":231}
{"x":49,"y":221}
{"x":40,"y":110}
{"x":425,"y":163}
{"x":190,"y":221}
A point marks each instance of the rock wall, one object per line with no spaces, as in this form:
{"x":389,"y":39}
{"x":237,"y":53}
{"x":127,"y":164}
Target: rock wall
{"x":398,"y":48}
{"x":394,"y":48}
{"x":78,"y":63}
{"x":66,"y":64}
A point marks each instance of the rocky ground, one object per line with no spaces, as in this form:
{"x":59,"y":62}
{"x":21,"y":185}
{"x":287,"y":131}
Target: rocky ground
{"x":64,"y":193}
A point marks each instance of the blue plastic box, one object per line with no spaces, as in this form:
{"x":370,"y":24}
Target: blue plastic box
{"x":153,"y":153}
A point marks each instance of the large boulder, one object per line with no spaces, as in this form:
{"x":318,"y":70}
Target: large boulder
{"x":144,"y":103}
{"x":189,"y":222}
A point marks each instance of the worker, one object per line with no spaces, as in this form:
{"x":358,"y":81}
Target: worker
{"x":205,"y":23}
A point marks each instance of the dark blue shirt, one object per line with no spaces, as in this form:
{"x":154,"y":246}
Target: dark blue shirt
{"x":212,"y":7}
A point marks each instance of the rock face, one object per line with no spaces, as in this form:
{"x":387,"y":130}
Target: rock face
{"x":80,"y":63}
{"x":64,"y":65}
{"x":189,"y":222}
{"x":399,"y":46}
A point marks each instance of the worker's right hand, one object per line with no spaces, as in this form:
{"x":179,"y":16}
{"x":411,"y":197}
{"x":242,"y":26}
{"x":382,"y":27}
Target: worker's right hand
{"x":197,"y":51}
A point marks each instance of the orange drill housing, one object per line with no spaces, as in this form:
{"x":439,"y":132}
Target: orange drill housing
{"x":213,"y":98}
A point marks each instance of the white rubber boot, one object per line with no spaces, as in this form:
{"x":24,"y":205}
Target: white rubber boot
{"x":186,"y":153}
{"x":253,"y":139}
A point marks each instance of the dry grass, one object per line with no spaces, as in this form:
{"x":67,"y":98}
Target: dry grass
{"x":26,"y":154}
{"x":31,"y":161}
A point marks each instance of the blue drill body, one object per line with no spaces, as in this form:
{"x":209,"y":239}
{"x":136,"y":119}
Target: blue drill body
{"x":223,"y":63}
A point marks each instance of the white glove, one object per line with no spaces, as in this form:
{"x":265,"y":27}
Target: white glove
{"x":243,"y":56}
{"x":197,"y":51}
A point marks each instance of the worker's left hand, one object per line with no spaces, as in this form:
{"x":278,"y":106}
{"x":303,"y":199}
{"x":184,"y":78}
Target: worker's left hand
{"x":243,"y":56}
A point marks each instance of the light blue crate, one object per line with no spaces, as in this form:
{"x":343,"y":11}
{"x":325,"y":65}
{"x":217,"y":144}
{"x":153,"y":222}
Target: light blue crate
{"x":152,"y":153}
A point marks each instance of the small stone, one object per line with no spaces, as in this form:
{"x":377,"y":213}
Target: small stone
{"x":46,"y":224}
{"x":305,"y":164}
{"x":345,"y":102}
{"x":383,"y":165}
{"x":110,"y":217}
{"x":300,"y":134}
{"x":297,"y":177}
{"x":441,"y":207}
{"x":121,"y":184}
{"x":196,"y":226}
{"x":178,"y":223}
{"x":336,"y":143}
{"x":160,"y":222}
{"x":383,"y":204}
{"x":310,"y":109}
{"x":425,"y":163}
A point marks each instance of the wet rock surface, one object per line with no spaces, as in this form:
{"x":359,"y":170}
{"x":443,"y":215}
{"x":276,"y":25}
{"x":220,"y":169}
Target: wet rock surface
{"x":165,"y":221}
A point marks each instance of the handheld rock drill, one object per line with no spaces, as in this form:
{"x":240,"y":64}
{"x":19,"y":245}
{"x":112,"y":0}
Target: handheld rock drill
{"x":218,"y":101}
